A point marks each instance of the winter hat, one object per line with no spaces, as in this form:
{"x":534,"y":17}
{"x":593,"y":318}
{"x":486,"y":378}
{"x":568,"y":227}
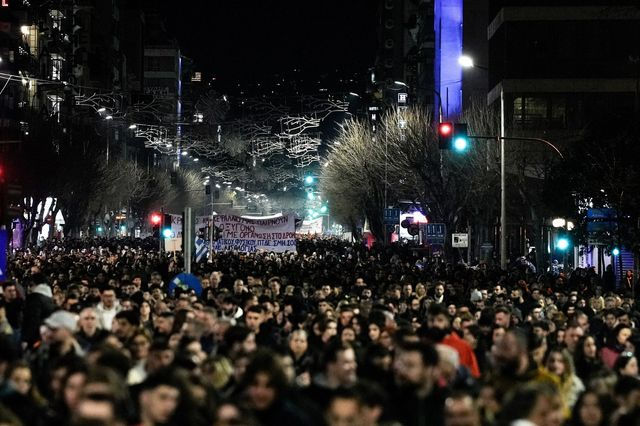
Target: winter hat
{"x":62,"y":319}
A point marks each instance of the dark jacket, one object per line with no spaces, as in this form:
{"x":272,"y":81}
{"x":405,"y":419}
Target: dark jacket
{"x":39,"y":305}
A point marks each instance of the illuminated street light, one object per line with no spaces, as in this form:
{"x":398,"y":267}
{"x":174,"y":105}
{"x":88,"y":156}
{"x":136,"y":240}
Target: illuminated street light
{"x":558,"y":222}
{"x":465,"y":61}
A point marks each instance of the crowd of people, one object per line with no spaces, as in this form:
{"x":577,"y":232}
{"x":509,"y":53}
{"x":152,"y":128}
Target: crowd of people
{"x":333,"y":334}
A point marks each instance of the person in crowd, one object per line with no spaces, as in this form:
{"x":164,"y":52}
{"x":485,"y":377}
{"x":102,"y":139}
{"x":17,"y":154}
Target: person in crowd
{"x":264,"y":389}
{"x":38,"y":306}
{"x":24,"y":399}
{"x":560,"y":364}
{"x":587,"y":360}
{"x":89,"y":335}
{"x":616,"y":344}
{"x":108,"y":307}
{"x":591,"y":409}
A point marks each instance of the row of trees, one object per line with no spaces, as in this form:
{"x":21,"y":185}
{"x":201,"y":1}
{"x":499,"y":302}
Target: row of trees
{"x":69,"y":167}
{"x":368,"y":170}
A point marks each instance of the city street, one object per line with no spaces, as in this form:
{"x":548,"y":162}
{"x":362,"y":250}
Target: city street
{"x":364,"y":212}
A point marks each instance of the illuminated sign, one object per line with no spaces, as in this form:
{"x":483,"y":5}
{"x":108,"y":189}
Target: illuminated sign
{"x":5,"y":3}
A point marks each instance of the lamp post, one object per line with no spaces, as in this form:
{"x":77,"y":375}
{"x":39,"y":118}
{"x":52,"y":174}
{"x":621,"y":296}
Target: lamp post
{"x":467,"y":62}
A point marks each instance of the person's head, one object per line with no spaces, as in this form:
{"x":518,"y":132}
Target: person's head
{"x":587,"y":347}
{"x":621,"y":334}
{"x":626,"y":393}
{"x":589,"y":410}
{"x":340,"y":364}
{"x":328,"y":329}
{"x":140,"y":344}
{"x":163,"y":323}
{"x":511,"y":353}
{"x":254,"y":318}
{"x":72,"y":385}
{"x":238,"y":286}
{"x":298,"y":342}
{"x":374,"y":331}
{"x":348,"y":335}
{"x":572,"y":335}
{"x":414,"y":366}
{"x":626,"y":365}
{"x":536,"y":314}
{"x":346,"y":315}
{"x":88,"y":321}
{"x":439,"y":289}
{"x":559,"y":362}
{"x":62,"y":325}
{"x":264,"y":380}
{"x":460,"y":409}
{"x":538,"y":403}
{"x":160,"y":355}
{"x":497,"y":333}
{"x":20,"y":377}
{"x":438,"y":317}
{"x":274,"y":284}
{"x":502,"y":317}
{"x":125,"y":324}
{"x":345,"y":409}
{"x":108,"y":297}
{"x":159,"y":396}
{"x":10,"y":292}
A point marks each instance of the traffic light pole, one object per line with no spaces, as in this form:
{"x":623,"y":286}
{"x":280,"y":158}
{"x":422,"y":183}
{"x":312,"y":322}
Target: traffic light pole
{"x":503,"y":191}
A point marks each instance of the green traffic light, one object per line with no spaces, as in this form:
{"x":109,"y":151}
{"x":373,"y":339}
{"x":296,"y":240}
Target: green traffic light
{"x":615,"y":251}
{"x":308,"y":180}
{"x":460,"y":144}
{"x":167,"y":233}
{"x":323,"y":209}
{"x":563,"y":244}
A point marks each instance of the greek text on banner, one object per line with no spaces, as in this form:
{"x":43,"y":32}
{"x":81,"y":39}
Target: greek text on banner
{"x":250,"y":235}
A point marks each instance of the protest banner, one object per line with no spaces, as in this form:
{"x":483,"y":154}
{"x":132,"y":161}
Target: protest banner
{"x":242,"y":234}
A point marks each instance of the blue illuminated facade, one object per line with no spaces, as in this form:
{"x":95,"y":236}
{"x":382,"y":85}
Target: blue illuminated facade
{"x":448,"y":72}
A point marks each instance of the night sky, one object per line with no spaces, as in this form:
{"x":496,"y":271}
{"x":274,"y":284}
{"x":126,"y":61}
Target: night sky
{"x":244,"y":40}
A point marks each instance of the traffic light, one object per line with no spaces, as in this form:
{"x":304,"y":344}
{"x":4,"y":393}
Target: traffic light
{"x":156,"y":220}
{"x":308,"y":180}
{"x":453,"y":136}
{"x":563,"y":243}
{"x":460,"y":137}
{"x":167,"y":232}
{"x":445,"y":135}
{"x":615,"y":251}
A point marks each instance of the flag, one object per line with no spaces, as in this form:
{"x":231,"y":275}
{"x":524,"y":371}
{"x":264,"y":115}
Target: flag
{"x":202,"y":249}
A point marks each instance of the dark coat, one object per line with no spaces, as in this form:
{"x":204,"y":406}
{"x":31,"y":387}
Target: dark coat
{"x":37,"y":308}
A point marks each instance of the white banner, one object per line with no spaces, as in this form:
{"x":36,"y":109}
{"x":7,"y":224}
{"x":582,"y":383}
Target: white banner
{"x":250,"y":235}
{"x":313,"y":226}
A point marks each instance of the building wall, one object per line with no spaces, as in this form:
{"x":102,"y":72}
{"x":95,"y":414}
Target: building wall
{"x":562,"y":64}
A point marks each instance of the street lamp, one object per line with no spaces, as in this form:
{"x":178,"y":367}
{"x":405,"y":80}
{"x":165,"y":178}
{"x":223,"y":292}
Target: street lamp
{"x":467,"y":62}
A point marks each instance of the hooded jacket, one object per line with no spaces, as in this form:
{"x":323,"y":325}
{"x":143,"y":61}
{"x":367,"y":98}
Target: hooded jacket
{"x":38,"y":306}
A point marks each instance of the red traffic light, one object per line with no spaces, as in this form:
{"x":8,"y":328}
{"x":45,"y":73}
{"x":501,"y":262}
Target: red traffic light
{"x":156,"y":219}
{"x":445,"y":129}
